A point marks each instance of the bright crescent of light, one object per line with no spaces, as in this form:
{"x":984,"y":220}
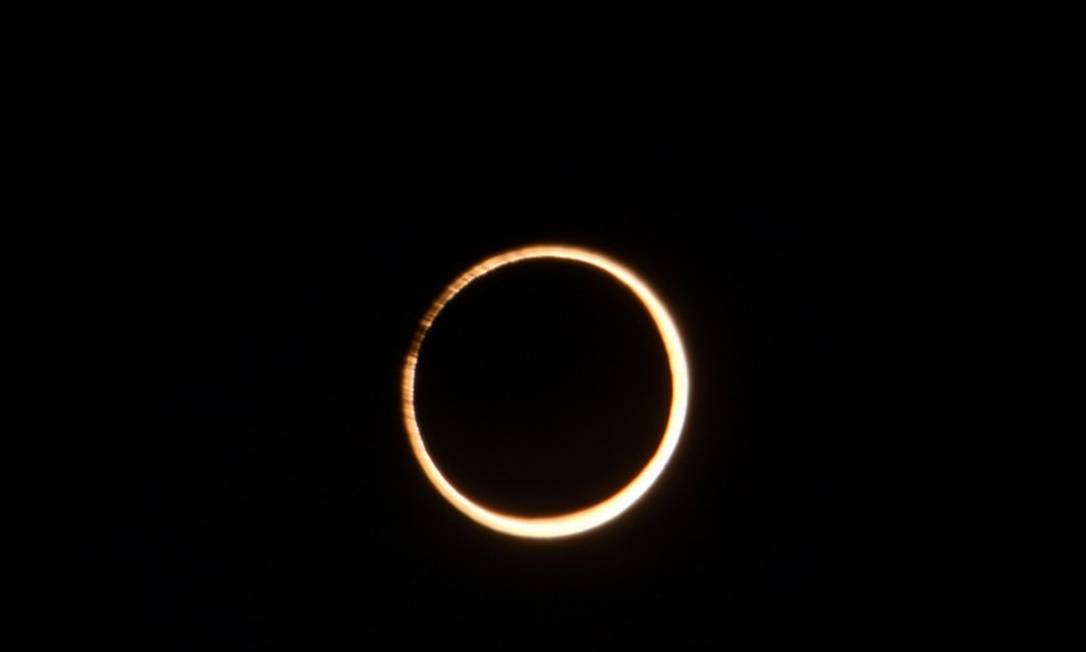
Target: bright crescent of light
{"x":547,"y":527}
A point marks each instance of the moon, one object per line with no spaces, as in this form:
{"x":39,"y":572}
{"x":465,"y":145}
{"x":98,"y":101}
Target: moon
{"x":571,"y":523}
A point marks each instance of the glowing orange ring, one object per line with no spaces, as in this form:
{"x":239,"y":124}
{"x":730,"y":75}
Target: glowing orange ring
{"x":573,"y":522}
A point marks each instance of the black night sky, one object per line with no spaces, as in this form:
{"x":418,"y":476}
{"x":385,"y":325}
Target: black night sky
{"x":270,"y":282}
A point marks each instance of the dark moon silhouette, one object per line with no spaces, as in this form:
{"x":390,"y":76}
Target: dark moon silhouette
{"x":543,"y":388}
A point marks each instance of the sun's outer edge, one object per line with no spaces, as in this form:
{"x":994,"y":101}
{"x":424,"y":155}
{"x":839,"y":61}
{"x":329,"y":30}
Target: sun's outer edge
{"x":548,"y":527}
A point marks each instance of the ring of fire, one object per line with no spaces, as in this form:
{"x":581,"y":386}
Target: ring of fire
{"x":561,"y":525}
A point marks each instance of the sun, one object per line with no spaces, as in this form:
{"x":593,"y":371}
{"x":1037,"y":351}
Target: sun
{"x":561,"y":525}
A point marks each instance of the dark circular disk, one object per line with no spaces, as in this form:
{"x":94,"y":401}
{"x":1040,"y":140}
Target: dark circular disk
{"x":542,"y":388}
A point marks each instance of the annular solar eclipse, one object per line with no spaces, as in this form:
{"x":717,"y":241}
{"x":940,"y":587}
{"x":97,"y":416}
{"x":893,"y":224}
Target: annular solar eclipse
{"x":561,"y":525}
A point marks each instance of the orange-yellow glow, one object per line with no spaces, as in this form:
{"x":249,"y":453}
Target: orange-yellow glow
{"x":573,"y":522}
